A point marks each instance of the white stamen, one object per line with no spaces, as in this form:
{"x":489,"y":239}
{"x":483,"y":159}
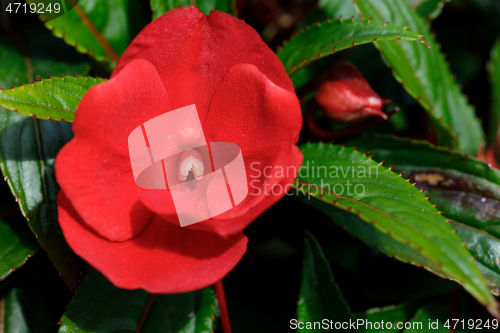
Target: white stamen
{"x":190,"y":161}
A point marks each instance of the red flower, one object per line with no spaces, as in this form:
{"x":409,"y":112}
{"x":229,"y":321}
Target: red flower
{"x":347,"y":98}
{"x":242,"y":94}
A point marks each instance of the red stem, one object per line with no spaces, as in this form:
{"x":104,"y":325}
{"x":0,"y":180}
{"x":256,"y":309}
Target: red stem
{"x":224,"y":315}
{"x":145,"y":313}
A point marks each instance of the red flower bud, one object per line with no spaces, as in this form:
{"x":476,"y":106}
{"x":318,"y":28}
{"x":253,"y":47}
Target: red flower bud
{"x":347,"y":98}
{"x":488,"y":156}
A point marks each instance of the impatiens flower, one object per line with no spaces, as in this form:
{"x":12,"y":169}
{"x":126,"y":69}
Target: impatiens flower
{"x":347,"y":98}
{"x":242,"y":95}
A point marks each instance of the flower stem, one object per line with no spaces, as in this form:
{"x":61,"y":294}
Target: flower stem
{"x":145,"y":313}
{"x":224,"y":315}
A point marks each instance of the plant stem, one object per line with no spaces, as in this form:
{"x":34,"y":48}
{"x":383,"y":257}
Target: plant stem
{"x":224,"y":315}
{"x":145,"y":313}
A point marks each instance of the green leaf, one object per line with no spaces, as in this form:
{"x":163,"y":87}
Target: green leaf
{"x":98,"y":306}
{"x":385,"y":243}
{"x":466,"y":189}
{"x":17,"y":243}
{"x":324,"y":38}
{"x":191,"y":312}
{"x":328,"y":9}
{"x":41,"y":59}
{"x":486,"y":249}
{"x":429,"y":315}
{"x":428,"y":9}
{"x":24,"y":314}
{"x":336,"y":8}
{"x":54,"y":98}
{"x":160,"y":7}
{"x":494,"y":71}
{"x":426,"y":77}
{"x":50,"y":55}
{"x":352,"y":182}
{"x":320,"y":297}
{"x":33,"y":298}
{"x":28,"y":147}
{"x":366,"y":58}
{"x":27,"y":151}
{"x":448,"y":313}
{"x":393,"y":314}
{"x":102,"y":29}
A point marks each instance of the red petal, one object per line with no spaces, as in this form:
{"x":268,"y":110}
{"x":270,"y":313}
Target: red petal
{"x":251,"y":111}
{"x":111,"y":110}
{"x":192,"y":52}
{"x":265,"y":121}
{"x":94,"y":168}
{"x":161,"y":259}
{"x":225,"y":225}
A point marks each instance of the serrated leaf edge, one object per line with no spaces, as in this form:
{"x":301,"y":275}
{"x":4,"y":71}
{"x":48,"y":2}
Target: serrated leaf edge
{"x":43,"y":106}
{"x":304,"y":62}
{"x":359,"y":213}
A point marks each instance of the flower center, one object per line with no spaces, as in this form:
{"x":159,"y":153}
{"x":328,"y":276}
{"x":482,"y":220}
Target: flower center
{"x":190,"y":162}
